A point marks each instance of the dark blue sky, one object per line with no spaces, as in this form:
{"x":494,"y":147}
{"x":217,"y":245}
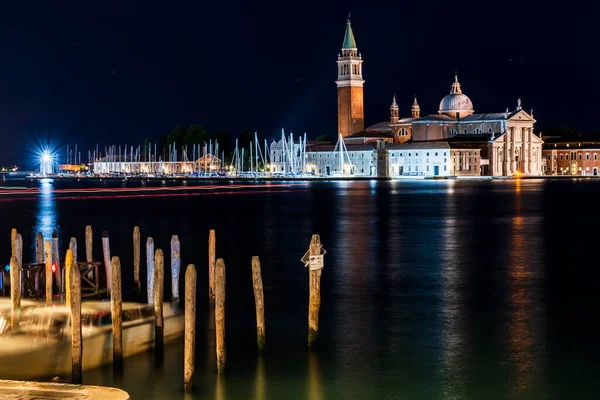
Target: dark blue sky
{"x":117,"y":72}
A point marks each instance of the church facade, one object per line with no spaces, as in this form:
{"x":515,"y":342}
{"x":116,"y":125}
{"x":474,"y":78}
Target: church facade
{"x":505,"y":142}
{"x":455,"y":141}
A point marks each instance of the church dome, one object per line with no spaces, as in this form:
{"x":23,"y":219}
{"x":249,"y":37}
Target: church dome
{"x":456,"y":104}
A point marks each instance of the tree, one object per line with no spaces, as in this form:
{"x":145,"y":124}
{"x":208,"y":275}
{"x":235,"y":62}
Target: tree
{"x":177,"y":135}
{"x":324,"y":138}
{"x":195,"y":135}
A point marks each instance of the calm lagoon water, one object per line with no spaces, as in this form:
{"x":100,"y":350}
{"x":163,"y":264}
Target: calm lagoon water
{"x":431,"y":289}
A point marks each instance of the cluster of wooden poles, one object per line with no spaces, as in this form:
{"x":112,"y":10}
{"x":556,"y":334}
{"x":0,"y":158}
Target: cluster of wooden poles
{"x":155,"y":262}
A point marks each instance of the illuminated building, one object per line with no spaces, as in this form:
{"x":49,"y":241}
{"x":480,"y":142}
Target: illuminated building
{"x":571,"y":156}
{"x":498,"y":144}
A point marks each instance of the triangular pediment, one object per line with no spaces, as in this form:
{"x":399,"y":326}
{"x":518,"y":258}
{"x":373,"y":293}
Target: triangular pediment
{"x":521,"y":115}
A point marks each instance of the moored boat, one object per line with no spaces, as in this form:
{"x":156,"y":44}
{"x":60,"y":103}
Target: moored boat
{"x":41,"y":346}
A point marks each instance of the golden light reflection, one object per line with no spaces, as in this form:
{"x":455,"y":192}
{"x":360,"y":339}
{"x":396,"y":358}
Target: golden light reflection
{"x":315,"y":387}
{"x":259,"y":387}
{"x":220,"y":387}
{"x":521,"y":299}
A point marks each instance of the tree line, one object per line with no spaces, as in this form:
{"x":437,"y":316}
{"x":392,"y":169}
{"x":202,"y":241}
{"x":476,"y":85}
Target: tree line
{"x":194,"y":135}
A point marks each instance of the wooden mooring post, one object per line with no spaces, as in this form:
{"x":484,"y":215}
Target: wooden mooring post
{"x":56,"y":262}
{"x":175,"y":269}
{"x":315,"y":264}
{"x":220,"y":314}
{"x":13,"y":235}
{"x":73,"y":248}
{"x":150,"y":269}
{"x":212,"y":259}
{"x":116,"y":305}
{"x":107,"y":266}
{"x":15,"y":292}
{"x":136,"y":260}
{"x":260,"y":303}
{"x":190,"y":327}
{"x":48,"y":251}
{"x":18,"y":249}
{"x":89,"y":241}
{"x":159,"y":287}
{"x":39,"y":257}
{"x":76,"y":342}
{"x":68,"y":266}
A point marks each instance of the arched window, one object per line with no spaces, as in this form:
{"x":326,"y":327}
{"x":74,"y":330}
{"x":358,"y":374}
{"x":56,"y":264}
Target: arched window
{"x":403,"y":132}
{"x":452,"y":132}
{"x":490,"y":130}
{"x":476,"y":130}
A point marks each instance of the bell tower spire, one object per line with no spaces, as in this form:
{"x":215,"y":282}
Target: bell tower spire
{"x":394,"y":110}
{"x":415,"y":109}
{"x":350,"y":86}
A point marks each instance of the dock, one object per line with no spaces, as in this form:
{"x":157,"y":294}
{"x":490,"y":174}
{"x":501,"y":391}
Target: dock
{"x":24,"y":390}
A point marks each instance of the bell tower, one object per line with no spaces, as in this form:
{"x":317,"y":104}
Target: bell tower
{"x":394,"y":111}
{"x":415,"y":110}
{"x":350,"y":86}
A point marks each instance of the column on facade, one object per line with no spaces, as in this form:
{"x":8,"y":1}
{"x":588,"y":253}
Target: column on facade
{"x":531,"y":160}
{"x":513,"y":158}
{"x":506,"y":169}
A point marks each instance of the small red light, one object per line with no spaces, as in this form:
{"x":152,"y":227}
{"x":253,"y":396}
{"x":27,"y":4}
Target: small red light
{"x":53,"y":268}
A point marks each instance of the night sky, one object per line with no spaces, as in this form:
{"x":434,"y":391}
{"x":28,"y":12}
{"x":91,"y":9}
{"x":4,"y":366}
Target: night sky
{"x":116,"y":72}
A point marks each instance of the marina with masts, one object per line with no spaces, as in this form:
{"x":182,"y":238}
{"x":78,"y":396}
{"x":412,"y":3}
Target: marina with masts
{"x":290,"y":157}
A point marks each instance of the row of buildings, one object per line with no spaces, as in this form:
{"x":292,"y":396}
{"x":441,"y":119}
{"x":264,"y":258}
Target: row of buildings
{"x":454,"y":142}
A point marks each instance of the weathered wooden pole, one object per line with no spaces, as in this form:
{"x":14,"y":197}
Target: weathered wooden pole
{"x":175,"y":269}
{"x":159,"y":287}
{"x":260,"y":303}
{"x":106,"y":253}
{"x":73,"y":248}
{"x":39,"y":257}
{"x":314,"y":284}
{"x":89,"y":241}
{"x":48,"y":250}
{"x":136,"y":260}
{"x":116,"y":305}
{"x":190,"y":327}
{"x":220,"y":314}
{"x":56,"y":261}
{"x":150,"y":269}
{"x":76,"y":343}
{"x":212,"y":259}
{"x":13,"y":235}
{"x":68,"y":266}
{"x":18,"y":249}
{"x":15,"y":292}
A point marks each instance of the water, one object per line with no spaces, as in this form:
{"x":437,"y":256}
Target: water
{"x":431,"y":289}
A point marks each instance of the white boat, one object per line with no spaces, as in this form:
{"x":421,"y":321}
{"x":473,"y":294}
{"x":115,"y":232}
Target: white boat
{"x":41,"y":347}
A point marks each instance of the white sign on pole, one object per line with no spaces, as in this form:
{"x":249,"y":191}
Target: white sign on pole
{"x":316,"y":262}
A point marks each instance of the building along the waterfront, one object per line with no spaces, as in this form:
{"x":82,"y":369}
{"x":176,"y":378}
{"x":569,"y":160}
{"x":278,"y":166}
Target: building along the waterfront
{"x":499,"y":143}
{"x":571,"y":155}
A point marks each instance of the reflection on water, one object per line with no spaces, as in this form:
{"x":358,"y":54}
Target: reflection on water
{"x":259,"y":387}
{"x":315,"y":389}
{"x":431,"y":290}
{"x":525,"y":315}
{"x":46,"y":215}
{"x":456,"y":347}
